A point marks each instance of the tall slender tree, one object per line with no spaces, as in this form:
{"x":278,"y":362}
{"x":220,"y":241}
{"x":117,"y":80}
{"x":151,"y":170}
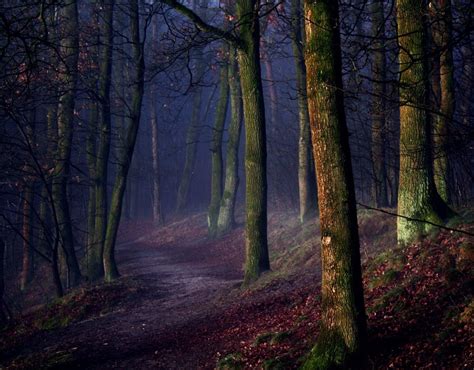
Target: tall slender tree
{"x":216,"y":144}
{"x":417,"y":196}
{"x":342,"y":339}
{"x":69,"y":52}
{"x":226,"y":220}
{"x":104,"y":130}
{"x":248,"y":50}
{"x":379,"y":106}
{"x":126,"y":154}
{"x":306,"y":177}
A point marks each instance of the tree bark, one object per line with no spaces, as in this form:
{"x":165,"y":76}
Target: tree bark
{"x":27,"y":260}
{"x":443,"y":39}
{"x":256,"y":244}
{"x":110,"y":267}
{"x":104,"y":130}
{"x":417,"y":197}
{"x":306,"y":178}
{"x":379,"y":106}
{"x":216,"y":146}
{"x":157,"y":214}
{"x":342,"y":339}
{"x":69,"y":50}
{"x":226,"y":220}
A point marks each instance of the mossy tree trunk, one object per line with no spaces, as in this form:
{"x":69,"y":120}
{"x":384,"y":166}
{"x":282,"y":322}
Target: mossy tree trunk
{"x":226,"y":221}
{"x":96,"y":270}
{"x":248,"y":45}
{"x":306,"y":176}
{"x":69,"y":50}
{"x":442,"y":26}
{"x":126,"y":154}
{"x":417,"y":196}
{"x":91,"y":154}
{"x":378,"y":105}
{"x":256,"y":244}
{"x":216,"y":145}
{"x":342,"y":338}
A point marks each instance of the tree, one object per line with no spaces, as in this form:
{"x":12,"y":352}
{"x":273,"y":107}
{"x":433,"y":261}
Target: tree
{"x":341,"y":342}
{"x":442,"y":32}
{"x":125,"y":156}
{"x":69,"y":52}
{"x":95,"y":265}
{"x":306,"y":178}
{"x":216,"y":145}
{"x":248,"y":51}
{"x":226,"y":221}
{"x":417,"y":196}
{"x":379,"y":106}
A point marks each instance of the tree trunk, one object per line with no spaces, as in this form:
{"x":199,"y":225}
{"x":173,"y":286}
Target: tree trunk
{"x":443,"y":40}
{"x":27,"y":261}
{"x":342,"y":338}
{"x":101,"y":168}
{"x":417,"y":197}
{"x":91,"y":203}
{"x":379,"y":106}
{"x":126,"y":155}
{"x":256,"y":244}
{"x":216,"y":146}
{"x":3,"y":314}
{"x":69,"y":51}
{"x":226,"y":213}
{"x":306,"y":178}
{"x":157,"y":214}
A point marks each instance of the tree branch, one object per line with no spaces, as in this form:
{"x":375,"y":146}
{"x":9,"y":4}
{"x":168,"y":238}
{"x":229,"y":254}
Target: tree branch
{"x":201,"y":25}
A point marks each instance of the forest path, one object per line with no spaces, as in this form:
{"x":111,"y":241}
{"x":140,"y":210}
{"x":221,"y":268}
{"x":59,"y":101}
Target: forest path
{"x":182,"y":279}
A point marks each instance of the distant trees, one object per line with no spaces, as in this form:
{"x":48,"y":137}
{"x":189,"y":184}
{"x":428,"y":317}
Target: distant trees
{"x":342,"y":338}
{"x":248,"y":50}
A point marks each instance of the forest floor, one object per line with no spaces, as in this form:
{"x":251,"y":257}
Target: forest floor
{"x":178,"y":304}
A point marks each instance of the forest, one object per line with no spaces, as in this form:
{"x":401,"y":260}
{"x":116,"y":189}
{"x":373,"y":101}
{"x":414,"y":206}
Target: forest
{"x":236,"y":184}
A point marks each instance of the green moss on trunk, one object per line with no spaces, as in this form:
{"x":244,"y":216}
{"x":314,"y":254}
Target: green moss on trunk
{"x":343,"y":324}
{"x":256,"y":246}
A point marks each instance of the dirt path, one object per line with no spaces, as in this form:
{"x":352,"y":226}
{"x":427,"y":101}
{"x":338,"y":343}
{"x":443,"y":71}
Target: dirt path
{"x":181,"y":286}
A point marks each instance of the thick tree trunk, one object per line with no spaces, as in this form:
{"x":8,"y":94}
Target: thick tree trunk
{"x":126,"y":155}
{"x":256,"y":244}
{"x":306,"y":178}
{"x":443,"y":40}
{"x":226,"y":213}
{"x":216,"y":147}
{"x":417,"y":197}
{"x":69,"y":51}
{"x":379,"y":106}
{"x":104,"y":129}
{"x":342,"y":338}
